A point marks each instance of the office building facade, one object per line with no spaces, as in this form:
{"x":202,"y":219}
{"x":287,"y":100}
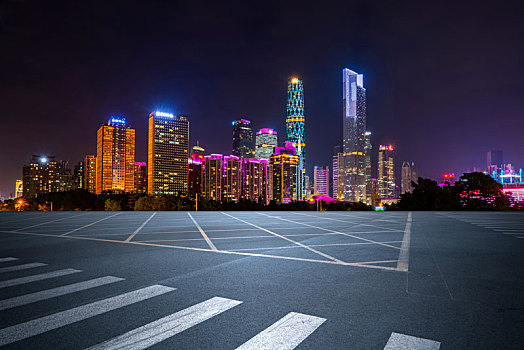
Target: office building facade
{"x":285,"y":166}
{"x":409,"y":175}
{"x":321,"y":181}
{"x":242,"y":139}
{"x":265,"y":142}
{"x":45,"y":174}
{"x":168,"y":146}
{"x":386,"y":172}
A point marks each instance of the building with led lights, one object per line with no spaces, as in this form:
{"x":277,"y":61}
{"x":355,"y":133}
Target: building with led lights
{"x":257,"y":181}
{"x":295,"y":128}
{"x":386,"y":172}
{"x":242,"y":139}
{"x":90,"y":173}
{"x":194,"y":175}
{"x":168,"y":147}
{"x":285,"y":165}
{"x":336,"y":169}
{"x":78,"y":176}
{"x":115,"y":157}
{"x":231,"y":178}
{"x":197,"y":149}
{"x":367,"y":151}
{"x":212,"y":177}
{"x":321,"y":181}
{"x":44,"y":174}
{"x":19,"y":188}
{"x":140,"y":177}
{"x":353,"y":169}
{"x":265,"y":142}
{"x":409,"y":175}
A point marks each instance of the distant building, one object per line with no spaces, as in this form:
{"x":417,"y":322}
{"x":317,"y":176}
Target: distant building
{"x":78,"y":176}
{"x":212,"y":175}
{"x":494,"y":160}
{"x":285,"y":164}
{"x":367,"y":150}
{"x":242,"y":139}
{"x":265,"y":143}
{"x":386,"y":172}
{"x":19,"y":188}
{"x":336,"y":169}
{"x":44,"y":174}
{"x":115,"y":156}
{"x":321,"y":181}
{"x":354,"y":138}
{"x":231,"y":178}
{"x":409,"y":175}
{"x":194,"y":175}
{"x":307,"y":186}
{"x":197,"y":149}
{"x":257,"y":181}
{"x":168,"y":148}
{"x":90,"y":173}
{"x":140,"y":177}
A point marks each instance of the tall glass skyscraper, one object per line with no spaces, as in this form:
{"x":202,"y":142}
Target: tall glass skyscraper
{"x":265,"y":143}
{"x":167,"y":153}
{"x":295,"y":128}
{"x":386,"y":173}
{"x":242,"y":139}
{"x":354,"y":137}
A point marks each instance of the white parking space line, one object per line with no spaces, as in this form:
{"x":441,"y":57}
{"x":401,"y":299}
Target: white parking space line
{"x":288,"y":239}
{"x":39,"y":277}
{"x":349,"y":222}
{"x":48,"y":222}
{"x":21,"y":267}
{"x":166,"y":327}
{"x":286,"y":334}
{"x":399,"y":341}
{"x":403,"y":257}
{"x":56,"y":292}
{"x":208,"y":241}
{"x":7,"y":259}
{"x":140,"y":228}
{"x":44,"y":324}
{"x":93,"y":223}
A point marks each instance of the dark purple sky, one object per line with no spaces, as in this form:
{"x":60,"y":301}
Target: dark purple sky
{"x":444,"y":81}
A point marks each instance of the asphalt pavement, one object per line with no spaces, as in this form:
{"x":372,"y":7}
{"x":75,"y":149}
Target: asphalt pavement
{"x":262,"y":280}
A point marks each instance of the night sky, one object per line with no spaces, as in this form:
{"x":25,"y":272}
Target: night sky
{"x":444,"y":80}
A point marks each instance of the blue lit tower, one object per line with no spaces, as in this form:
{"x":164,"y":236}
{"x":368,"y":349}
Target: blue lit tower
{"x":295,"y":122}
{"x":354,"y":136}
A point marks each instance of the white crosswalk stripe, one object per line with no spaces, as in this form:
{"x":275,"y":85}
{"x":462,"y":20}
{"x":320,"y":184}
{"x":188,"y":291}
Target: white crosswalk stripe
{"x":285,"y":334}
{"x":56,"y":292}
{"x":44,"y":324}
{"x":399,"y":341}
{"x":21,"y":267}
{"x":166,"y":327}
{"x":39,"y":277}
{"x":7,"y":259}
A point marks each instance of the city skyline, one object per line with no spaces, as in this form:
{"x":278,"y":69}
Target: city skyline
{"x":57,"y":119}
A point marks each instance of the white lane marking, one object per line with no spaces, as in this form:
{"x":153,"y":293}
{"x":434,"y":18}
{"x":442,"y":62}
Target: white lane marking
{"x":333,"y":231}
{"x":403,"y":256}
{"x":349,"y":222}
{"x":48,"y":222}
{"x":7,"y":259}
{"x":21,"y":267}
{"x":166,"y":327}
{"x":288,"y":239}
{"x":140,"y":228}
{"x":96,"y":222}
{"x":209,"y":243}
{"x":311,"y":245}
{"x":286,"y":334}
{"x":34,"y":278}
{"x":520,"y":236}
{"x":47,"y":323}
{"x":406,"y":342}
{"x":56,"y":292}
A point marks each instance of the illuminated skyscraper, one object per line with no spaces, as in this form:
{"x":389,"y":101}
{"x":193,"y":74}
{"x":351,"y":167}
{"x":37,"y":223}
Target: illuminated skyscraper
{"x":168,"y":148}
{"x":242,"y":139}
{"x":90,"y":173}
{"x":140,"y":177}
{"x":212,"y":177}
{"x":78,"y":176}
{"x":44,"y":174}
{"x":256,"y":180}
{"x":336,"y":170}
{"x":265,"y":143}
{"x":369,"y":186}
{"x":194,"y":175}
{"x":354,"y":138}
{"x":321,"y":181}
{"x":409,"y":175}
{"x":285,"y":166}
{"x":115,"y":157}
{"x":386,"y":172}
{"x":295,"y":128}
{"x":231,"y":178}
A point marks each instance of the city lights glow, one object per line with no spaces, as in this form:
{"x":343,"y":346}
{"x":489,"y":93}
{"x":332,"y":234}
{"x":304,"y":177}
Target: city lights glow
{"x":118,"y":120}
{"x":43,"y":160}
{"x":163,"y":114}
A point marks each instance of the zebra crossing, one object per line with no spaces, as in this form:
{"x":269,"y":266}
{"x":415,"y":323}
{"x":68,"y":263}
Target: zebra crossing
{"x":505,"y":224}
{"x":286,"y":333}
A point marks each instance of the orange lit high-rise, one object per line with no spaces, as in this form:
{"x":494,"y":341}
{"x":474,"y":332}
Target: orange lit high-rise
{"x":115,"y":158}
